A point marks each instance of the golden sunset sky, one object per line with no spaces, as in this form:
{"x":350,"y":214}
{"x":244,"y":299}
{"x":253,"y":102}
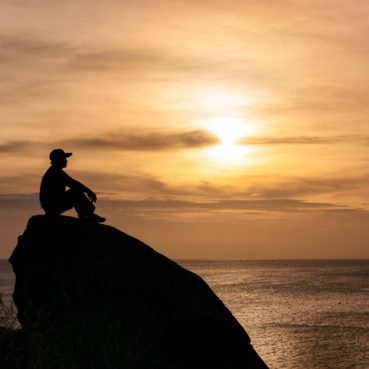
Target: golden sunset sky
{"x":208,"y":128}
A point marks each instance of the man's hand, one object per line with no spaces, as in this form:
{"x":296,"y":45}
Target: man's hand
{"x":91,"y":195}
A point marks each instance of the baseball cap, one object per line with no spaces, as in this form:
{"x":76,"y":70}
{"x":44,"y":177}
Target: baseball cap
{"x":59,"y":154}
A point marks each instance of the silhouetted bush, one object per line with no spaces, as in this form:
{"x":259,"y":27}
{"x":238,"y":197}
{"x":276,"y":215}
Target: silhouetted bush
{"x":12,"y":342}
{"x":8,"y":314}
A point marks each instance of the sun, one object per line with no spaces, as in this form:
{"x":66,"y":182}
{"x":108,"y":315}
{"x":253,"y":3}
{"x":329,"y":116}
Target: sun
{"x":229,"y":131}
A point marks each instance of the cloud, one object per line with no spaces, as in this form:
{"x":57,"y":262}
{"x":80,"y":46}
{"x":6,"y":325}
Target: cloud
{"x":297,"y":140}
{"x":121,"y":141}
{"x":17,"y":201}
{"x":16,"y":146}
{"x":37,"y":68}
{"x":142,"y":60}
{"x":149,"y":141}
{"x":140,"y":184}
{"x":82,"y":57}
{"x":14,"y":45}
{"x":237,"y":205}
{"x":350,"y":99}
{"x":32,"y":69}
{"x":126,"y":196}
{"x":269,"y":187}
{"x":307,"y":186}
{"x":124,"y":184}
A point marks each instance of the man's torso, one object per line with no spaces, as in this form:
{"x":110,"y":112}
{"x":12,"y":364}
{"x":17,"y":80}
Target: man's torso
{"x":53,"y":186}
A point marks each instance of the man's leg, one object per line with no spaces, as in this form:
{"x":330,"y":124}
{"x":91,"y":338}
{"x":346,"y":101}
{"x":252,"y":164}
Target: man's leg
{"x":59,"y":206}
{"x":81,"y":203}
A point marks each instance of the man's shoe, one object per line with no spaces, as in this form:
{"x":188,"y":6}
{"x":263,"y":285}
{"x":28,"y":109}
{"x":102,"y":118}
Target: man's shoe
{"x":95,"y":218}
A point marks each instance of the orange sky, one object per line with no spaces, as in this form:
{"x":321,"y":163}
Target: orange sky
{"x":209,"y":129}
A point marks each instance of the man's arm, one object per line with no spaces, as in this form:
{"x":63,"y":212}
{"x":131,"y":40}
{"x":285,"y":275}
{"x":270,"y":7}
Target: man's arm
{"x":72,"y":183}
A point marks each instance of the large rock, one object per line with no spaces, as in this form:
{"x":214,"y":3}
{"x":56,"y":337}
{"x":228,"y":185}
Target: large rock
{"x":91,"y":296}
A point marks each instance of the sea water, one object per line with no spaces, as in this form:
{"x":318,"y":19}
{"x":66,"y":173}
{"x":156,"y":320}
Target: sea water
{"x":299,"y":314}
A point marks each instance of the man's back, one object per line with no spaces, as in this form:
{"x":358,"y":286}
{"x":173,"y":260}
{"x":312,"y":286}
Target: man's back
{"x":53,"y":186}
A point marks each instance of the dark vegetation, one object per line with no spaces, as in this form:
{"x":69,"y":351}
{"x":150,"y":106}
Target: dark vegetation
{"x":12,"y":342}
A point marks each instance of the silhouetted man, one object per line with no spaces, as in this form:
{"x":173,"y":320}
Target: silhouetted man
{"x":56,"y":199}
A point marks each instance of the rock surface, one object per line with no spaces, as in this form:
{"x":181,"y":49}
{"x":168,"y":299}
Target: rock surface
{"x":96,"y":297}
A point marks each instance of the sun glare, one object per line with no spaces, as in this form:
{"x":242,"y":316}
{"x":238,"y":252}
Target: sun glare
{"x":229,"y":130}
{"x":230,"y":154}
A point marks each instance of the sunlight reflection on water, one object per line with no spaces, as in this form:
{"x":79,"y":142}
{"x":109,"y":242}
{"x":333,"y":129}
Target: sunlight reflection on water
{"x":299,"y":314}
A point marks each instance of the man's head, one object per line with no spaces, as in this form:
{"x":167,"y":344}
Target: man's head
{"x":59,"y":157}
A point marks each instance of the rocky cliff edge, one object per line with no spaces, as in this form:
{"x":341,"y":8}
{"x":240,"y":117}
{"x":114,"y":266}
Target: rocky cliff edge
{"x":91,"y":296}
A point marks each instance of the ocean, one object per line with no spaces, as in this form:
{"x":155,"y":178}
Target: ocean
{"x":300,"y":314}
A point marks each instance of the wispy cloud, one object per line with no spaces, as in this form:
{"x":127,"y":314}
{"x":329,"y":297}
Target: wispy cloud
{"x":301,"y":187}
{"x":269,"y":205}
{"x":26,"y":45}
{"x":149,"y":141}
{"x":287,"y":187}
{"x":122,"y":141}
{"x":17,"y":145}
{"x":63,"y":57}
{"x":152,"y":205}
{"x":299,"y":140}
{"x":122,"y":183}
{"x":19,"y":202}
{"x":140,"y":184}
